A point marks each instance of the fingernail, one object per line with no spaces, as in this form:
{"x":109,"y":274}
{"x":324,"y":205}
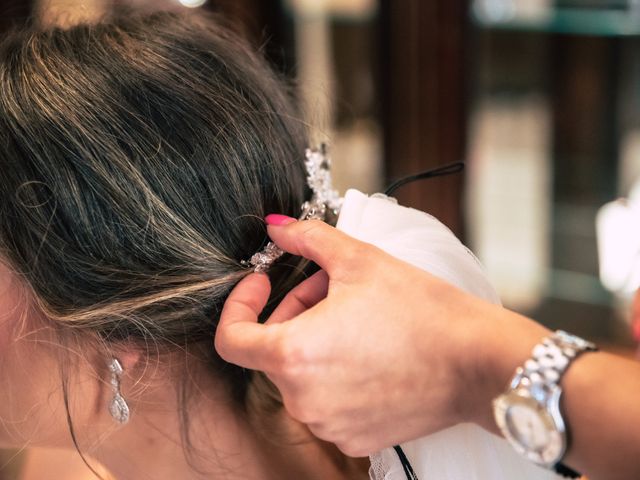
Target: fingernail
{"x":278,"y":220}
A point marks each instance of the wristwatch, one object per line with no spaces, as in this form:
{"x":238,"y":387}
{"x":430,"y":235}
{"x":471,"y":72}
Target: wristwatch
{"x":528,"y":412}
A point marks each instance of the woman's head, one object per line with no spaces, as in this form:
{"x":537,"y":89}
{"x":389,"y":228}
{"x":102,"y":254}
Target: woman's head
{"x":137,"y":159}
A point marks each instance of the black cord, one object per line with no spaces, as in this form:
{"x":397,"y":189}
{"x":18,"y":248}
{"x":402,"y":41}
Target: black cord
{"x":408,"y":469}
{"x":448,"y":169}
{"x":567,"y":472}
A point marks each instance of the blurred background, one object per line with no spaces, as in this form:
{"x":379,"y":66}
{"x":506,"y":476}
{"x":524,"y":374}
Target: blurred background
{"x":540,"y":98}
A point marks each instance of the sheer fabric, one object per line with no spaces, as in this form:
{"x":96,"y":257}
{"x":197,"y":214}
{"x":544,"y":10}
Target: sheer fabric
{"x":463,"y":452}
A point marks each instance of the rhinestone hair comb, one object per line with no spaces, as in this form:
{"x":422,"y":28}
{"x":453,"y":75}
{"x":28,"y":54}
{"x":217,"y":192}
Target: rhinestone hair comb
{"x":325,"y":201}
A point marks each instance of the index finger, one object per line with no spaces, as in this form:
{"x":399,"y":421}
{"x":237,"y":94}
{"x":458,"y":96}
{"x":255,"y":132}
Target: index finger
{"x":315,"y":240}
{"x":239,"y":338}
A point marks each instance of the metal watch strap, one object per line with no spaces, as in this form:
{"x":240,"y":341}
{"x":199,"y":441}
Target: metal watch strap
{"x":550,"y":359}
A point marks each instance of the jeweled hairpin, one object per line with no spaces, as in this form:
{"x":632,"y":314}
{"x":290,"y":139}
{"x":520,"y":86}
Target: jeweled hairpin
{"x":324,"y":201}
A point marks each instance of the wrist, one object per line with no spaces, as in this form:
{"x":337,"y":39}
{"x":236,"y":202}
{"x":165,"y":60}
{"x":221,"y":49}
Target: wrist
{"x":502,"y":345}
{"x":529,"y":413}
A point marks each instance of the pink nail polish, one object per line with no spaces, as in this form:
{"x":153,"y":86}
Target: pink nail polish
{"x":277,"y":220}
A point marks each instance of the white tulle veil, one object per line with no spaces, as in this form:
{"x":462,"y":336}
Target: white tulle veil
{"x":463,"y":452}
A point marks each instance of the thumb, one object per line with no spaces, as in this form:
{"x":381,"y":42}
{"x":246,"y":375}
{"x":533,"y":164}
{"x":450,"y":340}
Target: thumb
{"x":315,"y":240}
{"x":239,"y":338}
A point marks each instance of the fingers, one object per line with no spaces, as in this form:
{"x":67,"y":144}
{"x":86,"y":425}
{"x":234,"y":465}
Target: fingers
{"x":239,"y":338}
{"x":301,"y":298}
{"x":315,"y":240}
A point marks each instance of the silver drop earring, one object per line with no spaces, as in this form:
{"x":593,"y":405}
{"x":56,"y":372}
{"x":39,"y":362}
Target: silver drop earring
{"x":118,"y":407}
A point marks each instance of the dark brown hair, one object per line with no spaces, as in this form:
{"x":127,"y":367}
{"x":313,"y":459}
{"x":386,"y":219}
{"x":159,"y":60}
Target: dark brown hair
{"x":138,"y":157}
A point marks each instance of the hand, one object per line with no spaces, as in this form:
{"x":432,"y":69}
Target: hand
{"x":370,"y":351}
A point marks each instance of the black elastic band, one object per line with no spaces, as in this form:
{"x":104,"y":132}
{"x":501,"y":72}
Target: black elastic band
{"x":448,"y":169}
{"x":562,"y":469}
{"x":408,"y":469}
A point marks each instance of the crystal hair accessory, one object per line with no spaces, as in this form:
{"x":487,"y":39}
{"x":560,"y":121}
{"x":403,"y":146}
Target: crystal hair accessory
{"x":324,"y":203}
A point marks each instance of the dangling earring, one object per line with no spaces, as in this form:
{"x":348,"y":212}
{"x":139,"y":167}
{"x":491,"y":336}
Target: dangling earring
{"x":118,"y":407}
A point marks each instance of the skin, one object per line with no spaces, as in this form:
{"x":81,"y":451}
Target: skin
{"x":33,"y":415}
{"x":371,"y":352}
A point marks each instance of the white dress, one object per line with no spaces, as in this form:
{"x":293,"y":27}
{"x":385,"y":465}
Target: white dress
{"x":463,"y":452}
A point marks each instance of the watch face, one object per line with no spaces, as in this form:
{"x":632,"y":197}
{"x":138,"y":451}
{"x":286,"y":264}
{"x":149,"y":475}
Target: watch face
{"x":534,"y":431}
{"x":528,"y":427}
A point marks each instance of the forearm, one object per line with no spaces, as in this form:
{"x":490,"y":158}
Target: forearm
{"x":600,"y":402}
